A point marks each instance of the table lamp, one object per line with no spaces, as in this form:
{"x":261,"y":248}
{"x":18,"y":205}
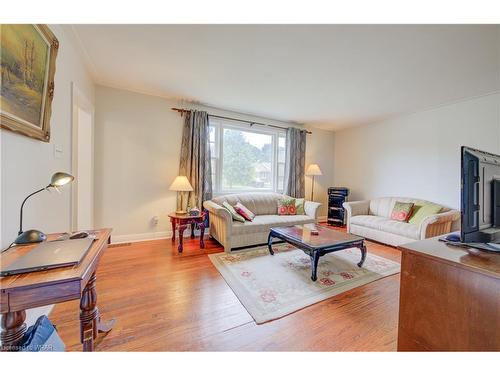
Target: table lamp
{"x":313,"y":170}
{"x":181,"y":184}
{"x":33,"y":235}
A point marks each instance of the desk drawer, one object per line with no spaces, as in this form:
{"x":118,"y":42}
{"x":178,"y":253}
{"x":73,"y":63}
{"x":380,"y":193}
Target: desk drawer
{"x":22,"y":299}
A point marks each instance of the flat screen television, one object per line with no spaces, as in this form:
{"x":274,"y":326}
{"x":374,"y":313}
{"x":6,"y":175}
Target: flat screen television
{"x":480,"y":198}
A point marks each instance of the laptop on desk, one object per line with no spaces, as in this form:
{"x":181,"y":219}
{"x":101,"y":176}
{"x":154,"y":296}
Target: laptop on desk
{"x":48,"y":255}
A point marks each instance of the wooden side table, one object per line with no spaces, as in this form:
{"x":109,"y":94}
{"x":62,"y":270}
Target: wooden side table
{"x":33,"y":289}
{"x":182,"y":221}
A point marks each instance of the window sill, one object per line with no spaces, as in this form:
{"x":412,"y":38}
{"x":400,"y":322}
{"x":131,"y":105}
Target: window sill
{"x":219,"y":193}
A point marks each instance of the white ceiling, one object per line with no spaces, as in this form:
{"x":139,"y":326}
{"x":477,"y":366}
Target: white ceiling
{"x":331,"y":76}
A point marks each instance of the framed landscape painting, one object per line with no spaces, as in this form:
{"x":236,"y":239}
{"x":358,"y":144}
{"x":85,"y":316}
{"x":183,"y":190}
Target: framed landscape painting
{"x":28,"y":64}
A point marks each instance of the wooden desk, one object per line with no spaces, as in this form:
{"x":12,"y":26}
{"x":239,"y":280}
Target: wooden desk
{"x":182,"y":221}
{"x":449,"y":298}
{"x":34,"y":289}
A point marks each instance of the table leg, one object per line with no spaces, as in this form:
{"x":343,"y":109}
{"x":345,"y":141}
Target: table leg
{"x":105,"y":327}
{"x":270,"y":243}
{"x":201,"y":226}
{"x":88,"y":315}
{"x":192,"y":230}
{"x":173,"y":229}
{"x":90,"y":320}
{"x":13,"y":329}
{"x":363,"y":254}
{"x":314,"y":265}
{"x":182,"y":228}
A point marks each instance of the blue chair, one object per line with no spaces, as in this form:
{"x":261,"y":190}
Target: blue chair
{"x":41,"y":337}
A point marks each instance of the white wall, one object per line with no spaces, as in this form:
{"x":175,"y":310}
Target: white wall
{"x":320,"y":150}
{"x":137,"y":149}
{"x":28,"y":164}
{"x":416,"y":155}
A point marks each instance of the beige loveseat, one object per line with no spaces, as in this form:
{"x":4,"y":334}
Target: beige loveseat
{"x":233,"y":234}
{"x":371,"y":219}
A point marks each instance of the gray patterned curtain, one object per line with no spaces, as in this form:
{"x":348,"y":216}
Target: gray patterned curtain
{"x":295,"y":162}
{"x":195,"y":157}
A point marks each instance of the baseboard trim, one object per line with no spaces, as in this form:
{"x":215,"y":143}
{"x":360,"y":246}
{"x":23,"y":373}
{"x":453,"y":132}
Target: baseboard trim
{"x":129,"y":238}
{"x":123,"y":238}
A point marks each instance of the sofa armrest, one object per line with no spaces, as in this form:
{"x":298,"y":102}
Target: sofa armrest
{"x":221,"y":224}
{"x":438,"y":224}
{"x":217,"y":210}
{"x":355,"y":208}
{"x":312,"y":209}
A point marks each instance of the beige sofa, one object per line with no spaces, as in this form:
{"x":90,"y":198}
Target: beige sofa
{"x":233,"y":234}
{"x":371,"y":219}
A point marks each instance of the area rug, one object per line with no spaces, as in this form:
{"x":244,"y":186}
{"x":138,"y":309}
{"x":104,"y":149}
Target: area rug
{"x":270,"y":287}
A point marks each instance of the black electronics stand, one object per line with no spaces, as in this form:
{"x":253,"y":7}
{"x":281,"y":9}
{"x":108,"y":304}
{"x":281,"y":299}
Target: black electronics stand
{"x":451,"y":240}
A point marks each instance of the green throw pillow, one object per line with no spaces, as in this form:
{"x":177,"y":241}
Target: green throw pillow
{"x":423,"y":209}
{"x":236,"y":216}
{"x":299,"y":206}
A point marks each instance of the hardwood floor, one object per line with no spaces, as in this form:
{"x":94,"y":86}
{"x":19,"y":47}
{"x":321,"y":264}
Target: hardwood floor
{"x":164,"y":301}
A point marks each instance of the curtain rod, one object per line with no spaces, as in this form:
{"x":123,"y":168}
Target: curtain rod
{"x":182,"y":110}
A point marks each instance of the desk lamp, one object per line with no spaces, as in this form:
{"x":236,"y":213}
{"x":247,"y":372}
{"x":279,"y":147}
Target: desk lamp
{"x":33,"y":236}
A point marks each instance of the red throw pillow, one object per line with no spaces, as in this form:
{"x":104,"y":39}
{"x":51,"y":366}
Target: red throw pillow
{"x":402,"y":211}
{"x":243,"y":211}
{"x":286,"y":206}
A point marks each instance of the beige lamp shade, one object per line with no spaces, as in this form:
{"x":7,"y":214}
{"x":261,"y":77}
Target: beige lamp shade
{"x":313,"y":170}
{"x":181,"y":183}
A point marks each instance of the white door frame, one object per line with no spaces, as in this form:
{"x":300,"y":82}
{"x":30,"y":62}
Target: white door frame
{"x":79,"y":100}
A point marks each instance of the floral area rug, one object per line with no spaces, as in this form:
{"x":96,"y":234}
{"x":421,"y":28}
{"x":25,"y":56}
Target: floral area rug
{"x":273,"y":286}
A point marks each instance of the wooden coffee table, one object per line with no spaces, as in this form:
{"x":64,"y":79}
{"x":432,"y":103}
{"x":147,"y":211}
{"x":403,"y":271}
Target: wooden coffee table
{"x":327,"y":241}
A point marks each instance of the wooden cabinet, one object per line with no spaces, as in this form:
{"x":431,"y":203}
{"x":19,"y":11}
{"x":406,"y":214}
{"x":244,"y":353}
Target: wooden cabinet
{"x":449,"y":298}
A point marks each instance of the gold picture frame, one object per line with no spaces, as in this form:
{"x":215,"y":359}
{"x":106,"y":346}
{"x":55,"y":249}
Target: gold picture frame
{"x":28,"y":65}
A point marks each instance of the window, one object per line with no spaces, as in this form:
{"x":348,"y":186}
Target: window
{"x":246,"y":158}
